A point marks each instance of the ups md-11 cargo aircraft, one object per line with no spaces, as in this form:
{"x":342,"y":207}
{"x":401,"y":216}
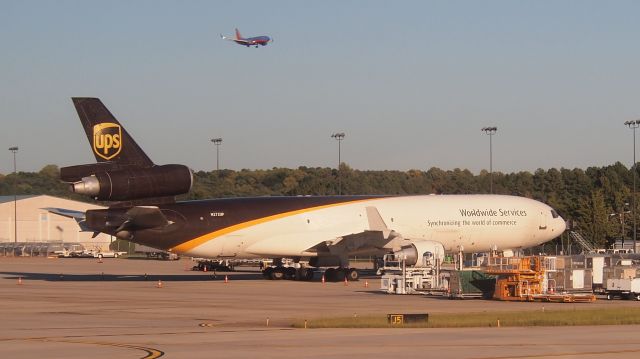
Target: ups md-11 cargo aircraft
{"x":323,"y":230}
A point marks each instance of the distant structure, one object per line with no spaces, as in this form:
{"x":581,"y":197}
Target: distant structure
{"x":35,"y":224}
{"x":217,"y":142}
{"x":490,"y":131}
{"x":339,"y":136}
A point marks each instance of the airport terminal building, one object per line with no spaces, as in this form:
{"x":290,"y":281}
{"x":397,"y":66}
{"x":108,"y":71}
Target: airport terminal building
{"x":36,"y":225}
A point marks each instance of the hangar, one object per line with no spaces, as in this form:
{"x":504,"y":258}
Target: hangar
{"x":36,"y":225}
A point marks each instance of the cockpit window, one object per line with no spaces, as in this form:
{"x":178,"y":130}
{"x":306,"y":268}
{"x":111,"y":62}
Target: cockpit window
{"x":554,"y":214}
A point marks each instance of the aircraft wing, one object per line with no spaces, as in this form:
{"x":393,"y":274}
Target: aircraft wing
{"x":233,"y":39}
{"x":289,"y":244}
{"x":376,"y":237}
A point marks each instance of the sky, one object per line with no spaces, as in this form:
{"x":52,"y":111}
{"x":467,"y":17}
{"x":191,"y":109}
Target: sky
{"x":410,"y":83}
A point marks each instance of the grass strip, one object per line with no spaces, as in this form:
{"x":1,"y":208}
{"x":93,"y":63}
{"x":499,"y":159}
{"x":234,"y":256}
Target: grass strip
{"x":571,"y":317}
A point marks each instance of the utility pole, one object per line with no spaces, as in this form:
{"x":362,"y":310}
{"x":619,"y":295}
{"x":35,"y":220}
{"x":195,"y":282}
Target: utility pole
{"x":490,"y":131}
{"x":621,"y":214}
{"x":339,"y":136}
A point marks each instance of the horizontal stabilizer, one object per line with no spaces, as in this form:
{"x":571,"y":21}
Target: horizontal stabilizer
{"x":79,"y":216}
{"x":69,"y":213}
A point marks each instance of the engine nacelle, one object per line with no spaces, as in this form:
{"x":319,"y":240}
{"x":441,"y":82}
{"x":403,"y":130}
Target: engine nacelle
{"x":421,"y":253}
{"x":131,"y":184}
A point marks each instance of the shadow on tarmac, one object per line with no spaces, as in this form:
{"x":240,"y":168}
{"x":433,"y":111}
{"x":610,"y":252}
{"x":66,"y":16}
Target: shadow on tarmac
{"x":57,"y":277}
{"x":106,"y":277}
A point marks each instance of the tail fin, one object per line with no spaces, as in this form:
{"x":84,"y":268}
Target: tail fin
{"x":108,"y":139}
{"x":238,"y":36}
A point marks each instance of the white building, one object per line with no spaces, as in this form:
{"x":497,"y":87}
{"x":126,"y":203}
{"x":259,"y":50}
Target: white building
{"x":34,"y":224}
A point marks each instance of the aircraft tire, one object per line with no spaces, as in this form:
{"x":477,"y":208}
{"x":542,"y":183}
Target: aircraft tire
{"x":289,"y":273}
{"x":330,"y":274}
{"x":340,"y":275}
{"x":277,"y":274}
{"x":352,"y":274}
{"x":304,"y":274}
{"x":308,"y":276}
{"x":266,"y":273}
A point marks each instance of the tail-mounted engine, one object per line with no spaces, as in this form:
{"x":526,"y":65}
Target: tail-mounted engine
{"x":113,"y":183}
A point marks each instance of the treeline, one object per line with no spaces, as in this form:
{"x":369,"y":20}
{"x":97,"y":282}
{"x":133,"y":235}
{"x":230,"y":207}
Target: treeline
{"x":592,"y":200}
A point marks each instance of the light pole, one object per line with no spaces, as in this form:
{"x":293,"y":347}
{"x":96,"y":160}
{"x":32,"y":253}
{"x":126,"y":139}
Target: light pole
{"x":490,"y":131}
{"x":14,"y":149}
{"x":633,"y":125}
{"x":621,"y":214}
{"x":339,"y":136}
{"x":217,"y":142}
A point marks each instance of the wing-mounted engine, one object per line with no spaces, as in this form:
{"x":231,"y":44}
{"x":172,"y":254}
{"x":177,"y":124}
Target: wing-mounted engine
{"x":107,"y":182}
{"x":421,"y":253}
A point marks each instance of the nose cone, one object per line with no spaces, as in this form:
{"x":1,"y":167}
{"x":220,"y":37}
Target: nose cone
{"x":561,"y":225}
{"x":558,"y":226}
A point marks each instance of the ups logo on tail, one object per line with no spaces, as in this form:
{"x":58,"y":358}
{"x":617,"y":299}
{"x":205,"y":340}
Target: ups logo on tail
{"x":107,"y":140}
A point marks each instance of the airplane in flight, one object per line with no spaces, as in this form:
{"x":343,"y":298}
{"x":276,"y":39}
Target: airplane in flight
{"x":323,"y":231}
{"x":249,"y":41}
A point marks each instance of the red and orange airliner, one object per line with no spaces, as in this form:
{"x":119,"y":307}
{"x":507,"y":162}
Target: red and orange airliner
{"x":249,"y":41}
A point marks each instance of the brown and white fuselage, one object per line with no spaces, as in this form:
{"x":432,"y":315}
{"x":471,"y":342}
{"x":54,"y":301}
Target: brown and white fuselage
{"x":323,"y":229}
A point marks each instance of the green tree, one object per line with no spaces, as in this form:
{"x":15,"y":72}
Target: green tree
{"x":594,"y":218}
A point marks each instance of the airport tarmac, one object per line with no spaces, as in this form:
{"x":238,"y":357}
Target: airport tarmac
{"x":75,"y":308}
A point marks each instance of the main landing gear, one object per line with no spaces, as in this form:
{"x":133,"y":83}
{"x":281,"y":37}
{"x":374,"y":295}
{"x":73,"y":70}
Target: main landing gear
{"x":290,"y":273}
{"x":339,"y":274}
{"x":307,"y":274}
